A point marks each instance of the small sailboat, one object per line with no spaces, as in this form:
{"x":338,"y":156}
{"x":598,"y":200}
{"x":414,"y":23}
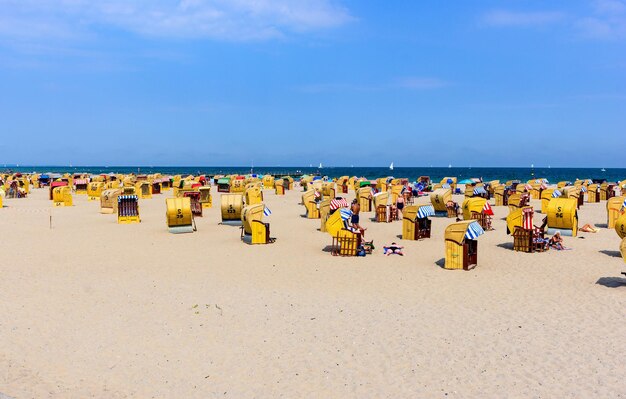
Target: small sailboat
{"x":449,"y":166}
{"x":602,"y":170}
{"x":320,"y":167}
{"x":391,"y":166}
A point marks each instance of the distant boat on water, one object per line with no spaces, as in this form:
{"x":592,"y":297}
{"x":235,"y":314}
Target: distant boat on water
{"x":391,"y":166}
{"x":602,"y":170}
{"x":449,"y":166}
{"x":320,"y":167}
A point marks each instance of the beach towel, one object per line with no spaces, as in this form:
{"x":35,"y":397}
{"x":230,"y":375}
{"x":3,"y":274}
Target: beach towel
{"x":346,"y":214}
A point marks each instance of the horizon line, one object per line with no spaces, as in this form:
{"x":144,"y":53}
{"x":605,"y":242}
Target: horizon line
{"x":304,"y":167}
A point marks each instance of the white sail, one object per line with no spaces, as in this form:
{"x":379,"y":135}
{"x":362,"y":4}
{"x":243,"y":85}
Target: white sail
{"x":391,"y":166}
{"x":320,"y":167}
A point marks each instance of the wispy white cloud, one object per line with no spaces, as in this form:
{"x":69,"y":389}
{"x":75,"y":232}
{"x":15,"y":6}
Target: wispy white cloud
{"x":236,"y":20}
{"x":405,"y":83}
{"x":610,"y":6}
{"x":607,"y":22}
{"x":519,"y":18}
{"x":606,"y":19}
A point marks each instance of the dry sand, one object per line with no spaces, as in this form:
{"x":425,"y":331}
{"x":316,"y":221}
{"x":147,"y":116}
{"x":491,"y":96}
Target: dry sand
{"x":91,"y":308}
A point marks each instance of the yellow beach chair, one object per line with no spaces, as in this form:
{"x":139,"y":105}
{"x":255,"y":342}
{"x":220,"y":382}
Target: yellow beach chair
{"x":94,"y":190}
{"x":593,"y":193}
{"x":381,"y":200}
{"x":574,"y":192}
{"x":308,"y":200}
{"x":501,"y":195}
{"x":620,"y":229}
{"x":128,"y":209}
{"x":268,"y":181}
{"x":563,"y":216}
{"x":364,"y":194}
{"x":237,"y":185}
{"x":178,"y":215}
{"x":143,"y":190}
{"x":324,"y":211}
{"x":345,"y":242}
{"x":329,"y":189}
{"x":253,"y":229}
{"x":80,"y":185}
{"x":108,"y":200}
{"x":620,"y":226}
{"x":461,"y":245}
{"x":614,"y":209}
{"x":606,"y":191}
{"x":451,"y":181}
{"x":231,"y":205}
{"x":440,"y":200}
{"x":62,"y":196}
{"x":253,"y":195}
{"x":415,"y":222}
{"x":524,"y":237}
{"x":474,"y":209}
{"x":206,"y":200}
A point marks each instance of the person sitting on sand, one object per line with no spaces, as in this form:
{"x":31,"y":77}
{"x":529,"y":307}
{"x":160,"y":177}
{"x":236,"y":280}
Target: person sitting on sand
{"x":587,"y":228}
{"x":393,"y":249}
{"x":556,"y":242}
{"x":354,"y":220}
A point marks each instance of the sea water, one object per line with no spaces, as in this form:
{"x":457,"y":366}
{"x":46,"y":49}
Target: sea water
{"x":553,"y":175}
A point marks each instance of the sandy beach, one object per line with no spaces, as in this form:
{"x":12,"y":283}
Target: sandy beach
{"x":93,"y":309}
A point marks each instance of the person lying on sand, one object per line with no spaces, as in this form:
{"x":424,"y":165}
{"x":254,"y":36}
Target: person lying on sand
{"x":587,"y":228}
{"x":393,"y":249}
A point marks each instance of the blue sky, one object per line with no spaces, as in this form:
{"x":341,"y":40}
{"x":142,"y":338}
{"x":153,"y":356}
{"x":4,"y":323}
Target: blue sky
{"x":298,"y":82}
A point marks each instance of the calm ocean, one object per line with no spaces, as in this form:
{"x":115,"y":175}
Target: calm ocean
{"x":552,"y":174}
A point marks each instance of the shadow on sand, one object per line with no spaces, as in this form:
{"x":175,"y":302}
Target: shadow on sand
{"x":612,"y":282}
{"x":328,"y":248}
{"x":614,"y":254}
{"x":506,"y":245}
